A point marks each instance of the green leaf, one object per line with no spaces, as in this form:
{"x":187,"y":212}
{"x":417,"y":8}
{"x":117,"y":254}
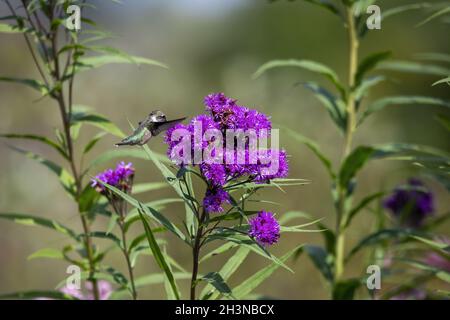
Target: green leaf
{"x":247,"y":286}
{"x":47,"y":253}
{"x":7,"y":28}
{"x":327,"y":5}
{"x":334,"y":106}
{"x":361,"y":205}
{"x":91,"y":144}
{"x":28,"y":295}
{"x":81,"y":114}
{"x":216,"y":280}
{"x":414,"y":67}
{"x":400,"y":9}
{"x":121,"y":153}
{"x":65,"y":178}
{"x":225,"y":273}
{"x":304,"y":64}
{"x":381,"y":236}
{"x":35,"y":84}
{"x":290,"y":215}
{"x":149,"y":186}
{"x":345,"y":290}
{"x":369,"y":63}
{"x":150,"y":212}
{"x":358,"y":158}
{"x":222,"y":249}
{"x":433,"y":56}
{"x":353,"y":163}
{"x":441,"y":246}
{"x":445,"y":80}
{"x":159,"y":256}
{"x":245,"y":241}
{"x":31,"y":220}
{"x":87,"y":199}
{"x":398,"y":100}
{"x":35,"y":137}
{"x":105,"y":235}
{"x":361,"y":90}
{"x":322,"y":260}
{"x":86,"y":63}
{"x":435,"y":15}
{"x":314,"y":147}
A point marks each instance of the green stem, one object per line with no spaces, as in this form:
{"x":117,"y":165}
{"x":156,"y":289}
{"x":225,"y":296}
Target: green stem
{"x":351,"y":125}
{"x":196,"y":254}
{"x":127,"y":258}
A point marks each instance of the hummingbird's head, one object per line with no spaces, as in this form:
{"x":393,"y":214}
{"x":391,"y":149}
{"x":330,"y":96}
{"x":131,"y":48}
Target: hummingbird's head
{"x":157,"y":116}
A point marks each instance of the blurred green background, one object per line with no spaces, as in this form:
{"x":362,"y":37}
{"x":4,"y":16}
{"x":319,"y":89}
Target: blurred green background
{"x":214,"y":46}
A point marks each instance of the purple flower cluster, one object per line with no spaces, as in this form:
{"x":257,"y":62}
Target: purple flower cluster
{"x":120,"y":177}
{"x":264,"y":228}
{"x":214,"y":198}
{"x":411,"y":204}
{"x":224,"y":114}
{"x":104,"y":287}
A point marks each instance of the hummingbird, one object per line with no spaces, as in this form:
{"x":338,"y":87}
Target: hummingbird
{"x":151,"y":126}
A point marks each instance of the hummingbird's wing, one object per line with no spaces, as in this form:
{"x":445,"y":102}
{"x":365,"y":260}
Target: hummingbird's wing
{"x":158,"y":127}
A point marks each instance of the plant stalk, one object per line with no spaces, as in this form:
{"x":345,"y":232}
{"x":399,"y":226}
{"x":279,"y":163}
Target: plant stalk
{"x":127,"y":258}
{"x":351,"y":125}
{"x":196,"y":254}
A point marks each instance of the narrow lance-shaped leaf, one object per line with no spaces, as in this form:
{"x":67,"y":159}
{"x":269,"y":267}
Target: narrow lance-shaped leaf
{"x":35,"y":84}
{"x":227,"y":270}
{"x":65,"y":178}
{"x":414,"y":67}
{"x":304,"y":64}
{"x":399,"y":100}
{"x":35,"y":137}
{"x":216,"y":280}
{"x":87,"y":63}
{"x":159,"y":256}
{"x":247,"y":286}
{"x":31,"y":220}
{"x":369,"y":63}
{"x":314,"y":147}
{"x":152,"y":213}
{"x":334,"y":106}
{"x":81,"y":114}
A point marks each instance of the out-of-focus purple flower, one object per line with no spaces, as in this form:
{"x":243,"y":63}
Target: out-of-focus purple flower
{"x":437,"y":261}
{"x":104,"y":287}
{"x":214,"y":199}
{"x":74,"y":292}
{"x":105,"y":290}
{"x":413,"y":294}
{"x":264,"y":228}
{"x":411,"y":204}
{"x":120,"y":177}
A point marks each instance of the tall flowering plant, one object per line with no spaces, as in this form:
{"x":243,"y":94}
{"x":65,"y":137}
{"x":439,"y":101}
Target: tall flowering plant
{"x":59,"y":54}
{"x":218,"y":149}
{"x":348,"y":106}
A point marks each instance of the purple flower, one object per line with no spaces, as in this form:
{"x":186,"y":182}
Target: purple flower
{"x":104,"y":290}
{"x":124,"y":171}
{"x":121,"y":177}
{"x":413,"y":294}
{"x":214,"y":198}
{"x":104,"y":287}
{"x":411,"y":204}
{"x":264,"y":228}
{"x":214,"y":173}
